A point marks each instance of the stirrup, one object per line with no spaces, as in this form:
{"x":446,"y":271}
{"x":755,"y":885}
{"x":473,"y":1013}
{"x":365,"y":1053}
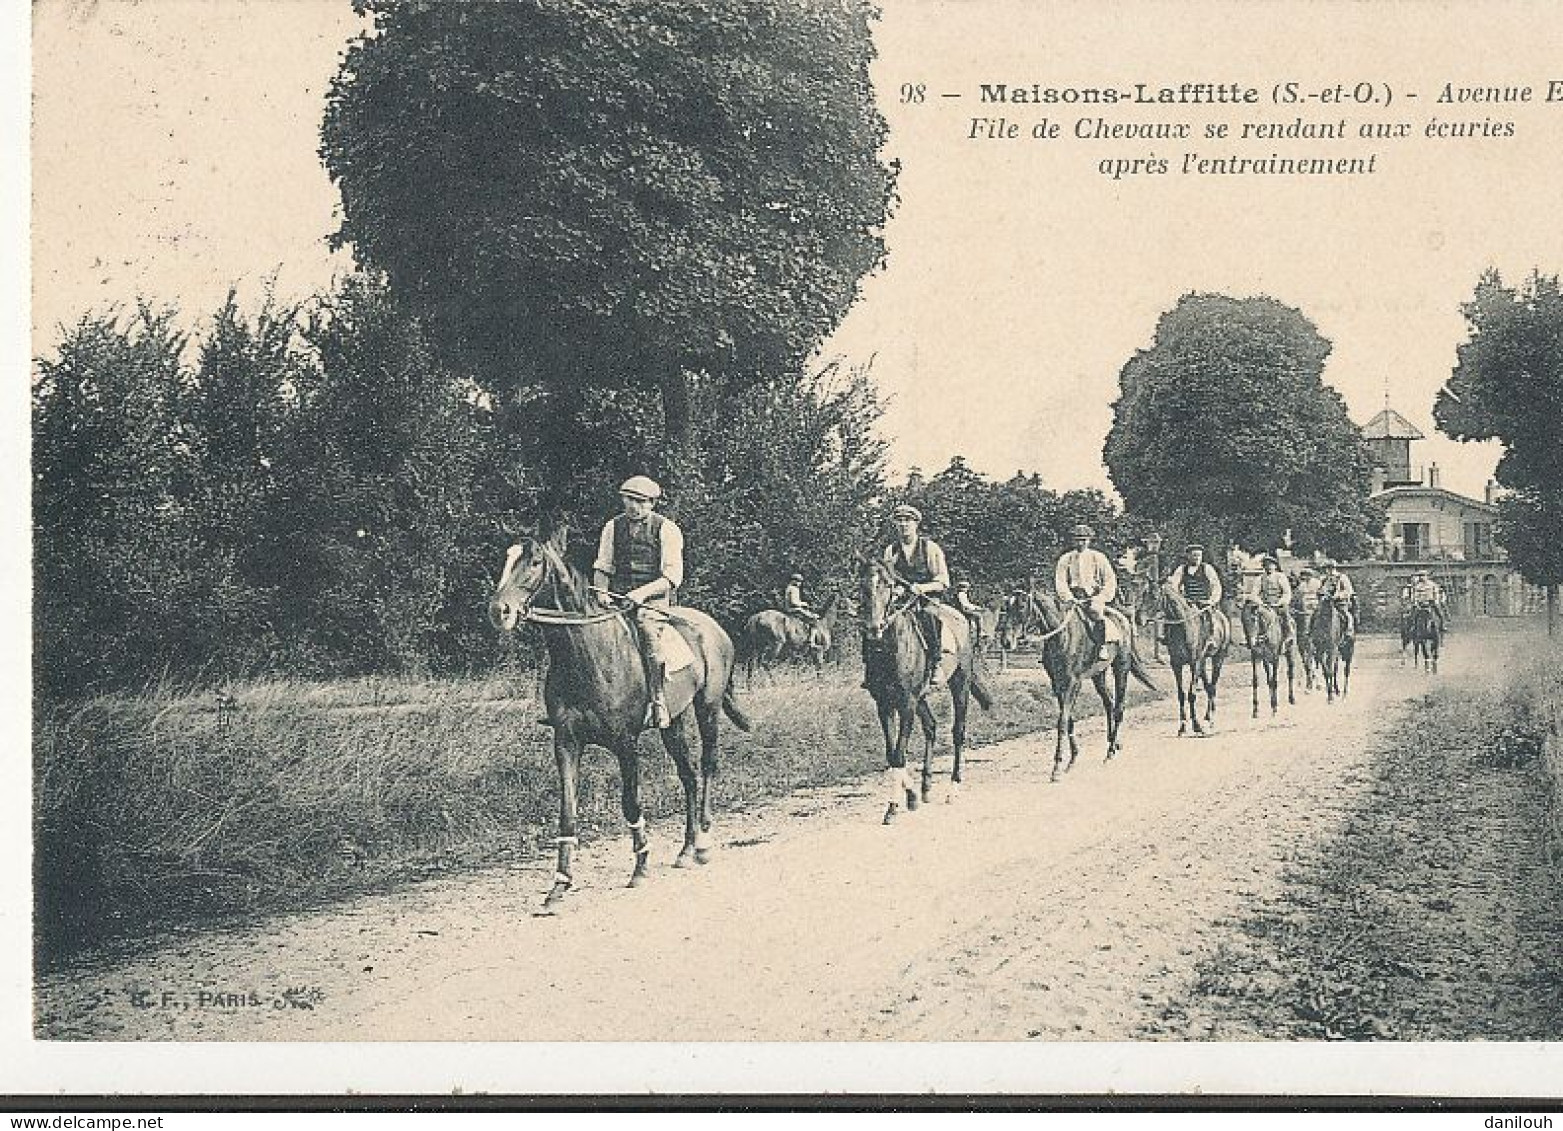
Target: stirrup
{"x":657,"y":713}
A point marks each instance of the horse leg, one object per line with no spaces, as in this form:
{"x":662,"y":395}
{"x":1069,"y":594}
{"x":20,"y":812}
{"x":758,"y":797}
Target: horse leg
{"x":895,"y":766}
{"x":567,"y":754}
{"x":1107,"y":713}
{"x":1291,"y":674}
{"x":930,"y":728}
{"x":906,"y":715}
{"x":1177,"y":679}
{"x":1273,"y":677}
{"x":960,"y":700}
{"x":1074,"y":747}
{"x":629,"y":781}
{"x":1065,"y":696}
{"x":1211,"y":677}
{"x":708,"y":717}
{"x":1253,"y":664}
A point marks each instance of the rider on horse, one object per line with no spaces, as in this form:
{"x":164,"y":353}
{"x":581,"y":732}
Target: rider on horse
{"x":918,"y":562}
{"x":1337,"y":587}
{"x":640,"y":559}
{"x":1274,"y":591}
{"x":1197,"y":580}
{"x":1305,"y":597}
{"x":793,"y":603}
{"x":1424,"y":592}
{"x":1085,"y":576}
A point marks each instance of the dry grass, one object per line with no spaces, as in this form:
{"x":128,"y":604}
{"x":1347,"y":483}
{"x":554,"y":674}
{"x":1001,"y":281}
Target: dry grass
{"x":171,"y":808}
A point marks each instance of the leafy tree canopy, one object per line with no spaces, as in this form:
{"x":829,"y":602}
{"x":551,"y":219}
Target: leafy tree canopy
{"x":1508,"y":386}
{"x":581,"y":193}
{"x":1225,"y":430}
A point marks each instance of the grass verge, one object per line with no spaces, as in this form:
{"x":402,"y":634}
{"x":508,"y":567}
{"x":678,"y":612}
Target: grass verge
{"x":170,"y":808}
{"x":1434,"y":914}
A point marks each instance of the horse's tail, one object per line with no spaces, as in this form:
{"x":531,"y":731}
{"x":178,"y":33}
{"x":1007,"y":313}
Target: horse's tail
{"x":733,"y":711}
{"x":1137,"y":666}
{"x":979,"y":683}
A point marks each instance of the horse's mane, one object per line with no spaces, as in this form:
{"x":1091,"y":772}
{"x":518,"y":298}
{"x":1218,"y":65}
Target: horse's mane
{"x":568,"y":577}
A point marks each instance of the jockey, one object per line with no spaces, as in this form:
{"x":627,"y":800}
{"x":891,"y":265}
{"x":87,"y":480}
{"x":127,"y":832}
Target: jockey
{"x":1305,"y":595}
{"x":1085,"y":576}
{"x":1274,"y":591}
{"x":1197,"y":580}
{"x":793,"y":603}
{"x":1337,"y":587}
{"x":640,"y":557}
{"x":919,"y":562}
{"x":1424,"y":591}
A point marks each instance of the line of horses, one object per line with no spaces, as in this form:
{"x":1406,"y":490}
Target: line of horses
{"x":596,"y":691}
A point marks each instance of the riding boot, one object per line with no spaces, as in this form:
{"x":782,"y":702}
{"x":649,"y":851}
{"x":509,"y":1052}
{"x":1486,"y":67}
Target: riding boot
{"x":657,"y":710}
{"x":935,"y":650}
{"x":1099,"y":636}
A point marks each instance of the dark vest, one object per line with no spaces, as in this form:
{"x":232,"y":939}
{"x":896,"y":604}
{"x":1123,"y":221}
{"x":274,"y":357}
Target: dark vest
{"x":916,"y":568}
{"x":637,"y":551}
{"x":1196,"y":585}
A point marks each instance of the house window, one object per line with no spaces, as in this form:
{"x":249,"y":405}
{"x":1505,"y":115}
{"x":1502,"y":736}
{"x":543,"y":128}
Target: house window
{"x":1478,"y":541}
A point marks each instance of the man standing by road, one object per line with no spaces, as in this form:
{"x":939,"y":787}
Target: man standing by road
{"x":1084,"y":575}
{"x":640,"y":557}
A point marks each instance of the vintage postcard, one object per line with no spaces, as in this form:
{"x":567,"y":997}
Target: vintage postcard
{"x":788,"y":546}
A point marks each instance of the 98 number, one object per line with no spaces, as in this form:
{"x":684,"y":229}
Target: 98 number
{"x":913,"y":92}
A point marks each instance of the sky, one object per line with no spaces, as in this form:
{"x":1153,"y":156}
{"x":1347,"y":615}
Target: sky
{"x":175,"y":154}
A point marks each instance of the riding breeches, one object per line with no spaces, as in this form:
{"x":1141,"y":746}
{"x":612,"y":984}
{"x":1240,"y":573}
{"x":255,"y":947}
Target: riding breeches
{"x":650,"y":625}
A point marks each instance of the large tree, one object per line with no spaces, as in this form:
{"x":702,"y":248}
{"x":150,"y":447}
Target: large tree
{"x":1225,"y":430}
{"x":587,"y":194}
{"x":1508,"y":386}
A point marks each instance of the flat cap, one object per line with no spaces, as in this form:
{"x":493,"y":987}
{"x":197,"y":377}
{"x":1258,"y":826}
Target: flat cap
{"x":907,"y":510}
{"x":640,"y":487}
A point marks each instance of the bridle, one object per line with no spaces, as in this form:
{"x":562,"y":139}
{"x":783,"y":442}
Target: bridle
{"x":551,"y":571}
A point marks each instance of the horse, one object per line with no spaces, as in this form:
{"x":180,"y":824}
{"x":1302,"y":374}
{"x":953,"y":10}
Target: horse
{"x":1331,"y":648}
{"x":895,"y":669}
{"x":1302,"y":625}
{"x":772,"y":635}
{"x":1016,"y":621}
{"x":1264,"y":632}
{"x":1197,"y":644}
{"x":1425,"y":637}
{"x":596,"y":693}
{"x":1070,"y":656}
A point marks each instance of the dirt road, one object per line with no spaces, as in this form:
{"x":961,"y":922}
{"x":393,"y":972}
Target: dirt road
{"x":1021,"y":910}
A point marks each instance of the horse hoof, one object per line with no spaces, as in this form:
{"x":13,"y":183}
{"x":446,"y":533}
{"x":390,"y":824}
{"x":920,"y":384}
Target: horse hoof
{"x":682,"y":859}
{"x":1055,"y":775}
{"x":637,"y":879}
{"x":890,"y":812}
{"x":552,"y":900}
{"x":912,"y":801}
{"x":702,"y":856}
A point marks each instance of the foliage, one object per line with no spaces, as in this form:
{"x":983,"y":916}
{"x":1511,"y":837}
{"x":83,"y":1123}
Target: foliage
{"x":1225,"y":431}
{"x":111,"y":571}
{"x":587,"y":194}
{"x":998,"y":535}
{"x":784,"y":477}
{"x":1508,"y":386}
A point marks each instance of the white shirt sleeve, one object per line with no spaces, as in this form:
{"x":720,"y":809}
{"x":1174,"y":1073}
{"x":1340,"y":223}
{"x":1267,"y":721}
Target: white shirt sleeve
{"x":604,"y":562}
{"x":1061,"y":578}
{"x":1109,"y":587}
{"x":672,"y":553}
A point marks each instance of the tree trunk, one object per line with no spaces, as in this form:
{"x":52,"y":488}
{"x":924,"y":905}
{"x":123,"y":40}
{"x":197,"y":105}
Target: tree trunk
{"x":674,"y":384}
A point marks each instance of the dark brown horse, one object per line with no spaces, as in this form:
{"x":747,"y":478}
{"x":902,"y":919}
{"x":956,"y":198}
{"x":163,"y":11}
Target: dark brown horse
{"x":596,"y":694}
{"x":1425,"y":636}
{"x":1197,"y":643}
{"x":1071,"y":657}
{"x":895,"y":665}
{"x":771,"y":636}
{"x":1332,"y":648}
{"x":1268,"y":643}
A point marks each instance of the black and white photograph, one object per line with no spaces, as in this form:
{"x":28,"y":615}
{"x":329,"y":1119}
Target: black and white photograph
{"x":789,"y":546}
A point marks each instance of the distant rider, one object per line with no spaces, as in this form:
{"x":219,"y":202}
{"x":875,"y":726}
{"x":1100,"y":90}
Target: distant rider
{"x":1337,"y":587}
{"x":793,"y":603}
{"x":918,"y":562}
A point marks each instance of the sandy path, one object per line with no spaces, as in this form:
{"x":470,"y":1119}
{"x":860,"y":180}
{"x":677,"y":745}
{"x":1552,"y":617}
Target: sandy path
{"x":1069,"y":911}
